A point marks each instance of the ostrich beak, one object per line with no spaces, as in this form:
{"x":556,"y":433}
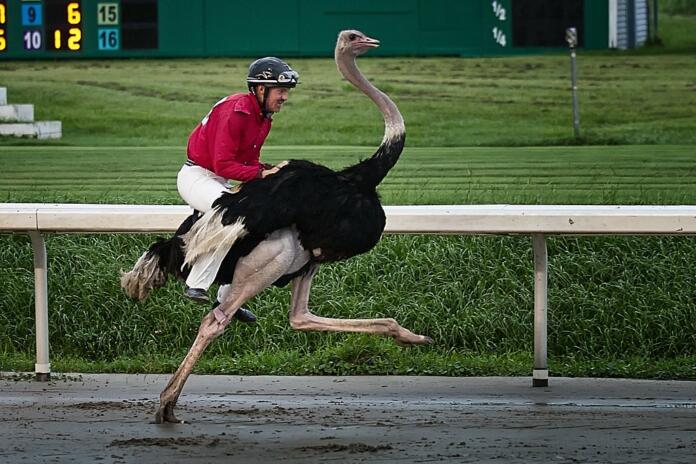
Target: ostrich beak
{"x":368,"y":42}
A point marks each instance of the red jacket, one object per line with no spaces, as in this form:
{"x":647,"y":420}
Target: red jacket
{"x":228,"y":141}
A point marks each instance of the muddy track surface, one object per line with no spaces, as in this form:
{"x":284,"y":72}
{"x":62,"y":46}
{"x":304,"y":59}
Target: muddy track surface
{"x":109,"y":418}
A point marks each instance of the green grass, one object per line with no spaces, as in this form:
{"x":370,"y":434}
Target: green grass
{"x":657,"y":174}
{"x":642,"y":97}
{"x":626,"y":301}
{"x":680,"y":35}
{"x":383,"y":360}
{"x":677,"y":7}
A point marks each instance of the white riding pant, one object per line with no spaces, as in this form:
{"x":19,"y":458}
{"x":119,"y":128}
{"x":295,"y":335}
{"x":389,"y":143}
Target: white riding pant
{"x":200,"y":188}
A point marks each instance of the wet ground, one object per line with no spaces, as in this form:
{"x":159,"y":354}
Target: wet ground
{"x":108,"y":418}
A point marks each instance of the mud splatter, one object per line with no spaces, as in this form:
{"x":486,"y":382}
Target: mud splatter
{"x":351,"y":448}
{"x":168,"y":441}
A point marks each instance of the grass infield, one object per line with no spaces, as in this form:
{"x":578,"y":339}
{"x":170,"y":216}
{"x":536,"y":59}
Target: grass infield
{"x":638,"y":174}
{"x":619,"y":306}
{"x":641,"y":97}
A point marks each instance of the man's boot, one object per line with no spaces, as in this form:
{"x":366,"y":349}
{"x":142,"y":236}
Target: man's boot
{"x":197,"y":294}
{"x":242,"y":314}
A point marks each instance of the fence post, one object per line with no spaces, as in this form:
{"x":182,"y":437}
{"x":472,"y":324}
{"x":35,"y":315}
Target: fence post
{"x":540,"y":375}
{"x":42,"y":367}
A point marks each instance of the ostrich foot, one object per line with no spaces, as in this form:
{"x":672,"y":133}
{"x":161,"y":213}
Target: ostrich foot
{"x":165,"y":413}
{"x":405,"y":337}
{"x":423,"y":341}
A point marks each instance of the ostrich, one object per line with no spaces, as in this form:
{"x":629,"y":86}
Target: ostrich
{"x":279,"y":229}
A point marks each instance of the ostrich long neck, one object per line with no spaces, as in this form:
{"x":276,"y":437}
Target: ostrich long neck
{"x":371,"y":171}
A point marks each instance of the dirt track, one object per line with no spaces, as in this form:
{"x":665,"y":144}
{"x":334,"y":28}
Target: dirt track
{"x":108,"y":418}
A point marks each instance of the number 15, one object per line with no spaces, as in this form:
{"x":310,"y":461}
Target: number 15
{"x":107,"y":13}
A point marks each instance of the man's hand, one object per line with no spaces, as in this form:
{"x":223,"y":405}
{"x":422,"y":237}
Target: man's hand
{"x":267,"y":172}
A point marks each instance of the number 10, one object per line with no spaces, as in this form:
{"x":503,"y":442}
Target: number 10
{"x":32,"y":40}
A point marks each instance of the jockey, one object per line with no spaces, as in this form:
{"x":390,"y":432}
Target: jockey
{"x":226,"y":145}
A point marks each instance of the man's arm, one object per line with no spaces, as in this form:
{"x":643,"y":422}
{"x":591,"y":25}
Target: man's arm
{"x":227,"y":143}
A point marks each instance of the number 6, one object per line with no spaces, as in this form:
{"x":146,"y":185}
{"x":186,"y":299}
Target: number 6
{"x":74,"y":13}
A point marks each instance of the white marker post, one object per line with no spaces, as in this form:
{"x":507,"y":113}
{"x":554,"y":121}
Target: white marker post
{"x":572,"y":39}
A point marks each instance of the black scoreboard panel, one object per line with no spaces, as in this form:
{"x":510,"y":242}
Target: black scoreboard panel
{"x":63,"y":30}
{"x":542,"y":23}
{"x":191,"y":28}
{"x":139,"y":24}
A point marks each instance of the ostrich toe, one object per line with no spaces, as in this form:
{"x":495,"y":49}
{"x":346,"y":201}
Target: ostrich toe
{"x":165,"y":414}
{"x":405,"y":337}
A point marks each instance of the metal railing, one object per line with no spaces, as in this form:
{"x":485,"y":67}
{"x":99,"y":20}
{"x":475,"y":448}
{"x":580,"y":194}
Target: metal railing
{"x":535,"y":220}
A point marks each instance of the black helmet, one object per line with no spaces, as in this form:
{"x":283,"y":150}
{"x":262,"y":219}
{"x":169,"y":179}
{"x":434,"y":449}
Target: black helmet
{"x":272,"y":72}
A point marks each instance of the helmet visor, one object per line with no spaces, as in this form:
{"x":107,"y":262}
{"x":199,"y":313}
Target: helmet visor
{"x":288,"y":78}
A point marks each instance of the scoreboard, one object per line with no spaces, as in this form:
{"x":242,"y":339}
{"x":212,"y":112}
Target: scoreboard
{"x":63,"y":26}
{"x":73,"y":28}
{"x":40,"y":29}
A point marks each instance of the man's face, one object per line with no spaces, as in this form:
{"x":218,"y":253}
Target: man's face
{"x":275,"y":98}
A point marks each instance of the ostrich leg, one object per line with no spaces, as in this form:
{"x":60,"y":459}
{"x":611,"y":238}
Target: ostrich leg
{"x":302,"y":319}
{"x":209,"y":329}
{"x":270,"y":260}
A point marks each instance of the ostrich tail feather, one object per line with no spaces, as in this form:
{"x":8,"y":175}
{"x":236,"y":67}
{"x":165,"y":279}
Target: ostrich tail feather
{"x":145,"y":276}
{"x":209,"y":234}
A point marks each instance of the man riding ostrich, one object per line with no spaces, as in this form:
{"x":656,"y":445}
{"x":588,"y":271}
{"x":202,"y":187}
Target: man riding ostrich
{"x":279,"y":229}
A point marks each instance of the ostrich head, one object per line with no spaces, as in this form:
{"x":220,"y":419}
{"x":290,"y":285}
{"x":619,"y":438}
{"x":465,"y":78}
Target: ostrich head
{"x":355,"y":43}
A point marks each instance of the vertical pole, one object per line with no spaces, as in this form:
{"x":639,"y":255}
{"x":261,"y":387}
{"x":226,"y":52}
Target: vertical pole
{"x":613,"y":24}
{"x":574,"y":83}
{"x":540,"y":377}
{"x":572,"y":39}
{"x":42,"y":367}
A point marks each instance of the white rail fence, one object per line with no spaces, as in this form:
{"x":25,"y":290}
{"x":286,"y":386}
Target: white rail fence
{"x":535,"y":220}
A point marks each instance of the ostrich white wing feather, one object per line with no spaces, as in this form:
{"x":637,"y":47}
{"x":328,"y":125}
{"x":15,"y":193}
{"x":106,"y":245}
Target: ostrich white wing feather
{"x":209,"y":234}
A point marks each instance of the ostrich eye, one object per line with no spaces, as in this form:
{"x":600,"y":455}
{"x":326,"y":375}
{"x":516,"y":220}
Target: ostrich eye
{"x":352,"y":37}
